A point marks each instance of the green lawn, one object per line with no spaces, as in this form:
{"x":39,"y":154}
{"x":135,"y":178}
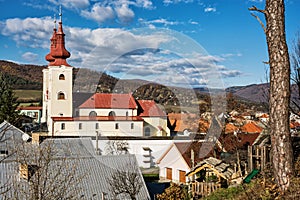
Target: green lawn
{"x":28,"y":95}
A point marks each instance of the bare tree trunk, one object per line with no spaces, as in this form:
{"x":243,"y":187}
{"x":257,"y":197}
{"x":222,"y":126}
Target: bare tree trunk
{"x":282,"y":156}
{"x":279,"y":93}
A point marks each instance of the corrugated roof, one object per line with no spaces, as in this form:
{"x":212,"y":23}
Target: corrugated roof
{"x":90,"y":176}
{"x":105,"y":100}
{"x":150,"y":109}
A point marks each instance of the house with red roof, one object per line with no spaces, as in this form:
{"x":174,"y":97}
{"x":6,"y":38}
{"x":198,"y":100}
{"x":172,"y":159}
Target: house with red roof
{"x":100,"y":114}
{"x":181,"y":157}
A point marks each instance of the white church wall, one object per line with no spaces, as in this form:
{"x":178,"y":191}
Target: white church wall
{"x":105,"y":111}
{"x":104,"y":128}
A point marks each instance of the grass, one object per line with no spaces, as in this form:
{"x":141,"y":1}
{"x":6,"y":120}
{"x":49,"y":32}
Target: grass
{"x":30,"y":96}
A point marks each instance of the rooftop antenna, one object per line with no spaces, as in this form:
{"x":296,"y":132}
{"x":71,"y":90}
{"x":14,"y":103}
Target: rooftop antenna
{"x":60,"y":14}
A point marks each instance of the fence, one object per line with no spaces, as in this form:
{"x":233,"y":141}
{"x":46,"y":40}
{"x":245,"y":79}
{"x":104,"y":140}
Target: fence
{"x":204,"y":189}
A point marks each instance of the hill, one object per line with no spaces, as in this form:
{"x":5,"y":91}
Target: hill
{"x":173,"y":99}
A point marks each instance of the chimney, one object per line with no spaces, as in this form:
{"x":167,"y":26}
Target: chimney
{"x":27,"y":171}
{"x":37,"y":138}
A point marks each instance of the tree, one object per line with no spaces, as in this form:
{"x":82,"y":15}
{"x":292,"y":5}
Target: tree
{"x":8,"y":102}
{"x":44,"y":173}
{"x":282,"y":157}
{"x":126,"y":181}
{"x":295,"y":75}
{"x":116,"y":147}
{"x":173,"y":192}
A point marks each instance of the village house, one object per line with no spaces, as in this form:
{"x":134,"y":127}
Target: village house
{"x":181,"y":157}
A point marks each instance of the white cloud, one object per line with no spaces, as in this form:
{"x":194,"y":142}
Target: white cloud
{"x":161,"y":21}
{"x":132,"y":54}
{"x":30,"y":57}
{"x":99,"y":13}
{"x":30,"y":32}
{"x":167,"y":2}
{"x":124,"y":13}
{"x":76,"y":4}
{"x":122,"y":10}
{"x":210,"y":9}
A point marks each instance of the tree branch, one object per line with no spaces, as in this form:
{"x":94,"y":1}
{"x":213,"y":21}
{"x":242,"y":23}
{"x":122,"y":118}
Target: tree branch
{"x":254,"y":8}
{"x":261,"y":23}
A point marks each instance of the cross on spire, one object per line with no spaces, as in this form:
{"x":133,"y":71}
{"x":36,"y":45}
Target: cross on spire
{"x":60,"y":13}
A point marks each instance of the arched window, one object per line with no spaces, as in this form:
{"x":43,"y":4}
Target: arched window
{"x":112,"y":113}
{"x":93,"y":114}
{"x":61,"y":95}
{"x":61,"y":77}
{"x":147,"y":131}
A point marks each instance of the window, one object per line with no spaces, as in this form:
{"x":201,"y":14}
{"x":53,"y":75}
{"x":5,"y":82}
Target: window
{"x":97,"y":126}
{"x":93,"y":114}
{"x":61,"y":77}
{"x":132,"y":125}
{"x":127,"y":114}
{"x":61,"y":96}
{"x":147,"y":131}
{"x":80,"y":126}
{"x":182,"y":176}
{"x":111,"y":113}
{"x":117,"y":126}
{"x":169,"y":173}
{"x":63,"y":126}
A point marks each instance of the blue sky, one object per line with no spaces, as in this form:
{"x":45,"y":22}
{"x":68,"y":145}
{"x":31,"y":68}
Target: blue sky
{"x":172,"y":41}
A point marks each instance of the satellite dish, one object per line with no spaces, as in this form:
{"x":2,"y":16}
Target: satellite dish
{"x":26,"y":137}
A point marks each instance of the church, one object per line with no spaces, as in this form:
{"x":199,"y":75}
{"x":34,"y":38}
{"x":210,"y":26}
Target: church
{"x":101,"y":114}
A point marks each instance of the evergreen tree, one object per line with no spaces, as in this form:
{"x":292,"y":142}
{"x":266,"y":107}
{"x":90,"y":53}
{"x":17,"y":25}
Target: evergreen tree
{"x":8,"y":102}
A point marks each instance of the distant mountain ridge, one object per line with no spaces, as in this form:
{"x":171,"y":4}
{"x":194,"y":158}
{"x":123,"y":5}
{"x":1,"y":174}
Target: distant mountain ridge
{"x":89,"y":81}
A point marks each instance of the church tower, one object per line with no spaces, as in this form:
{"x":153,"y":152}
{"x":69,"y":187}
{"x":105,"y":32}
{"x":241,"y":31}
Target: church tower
{"x":57,"y":79}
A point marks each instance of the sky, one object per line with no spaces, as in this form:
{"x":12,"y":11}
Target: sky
{"x":189,"y":43}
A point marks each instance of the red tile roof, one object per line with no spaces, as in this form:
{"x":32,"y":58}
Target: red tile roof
{"x":30,"y":108}
{"x":99,"y":118}
{"x":230,"y":128}
{"x":230,"y":142}
{"x":251,"y":128}
{"x":104,"y":100}
{"x":184,"y":121}
{"x":150,"y":109}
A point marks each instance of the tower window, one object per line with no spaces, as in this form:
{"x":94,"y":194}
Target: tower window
{"x":61,"y":96}
{"x":63,"y":126}
{"x":117,"y":126}
{"x":61,"y":77}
